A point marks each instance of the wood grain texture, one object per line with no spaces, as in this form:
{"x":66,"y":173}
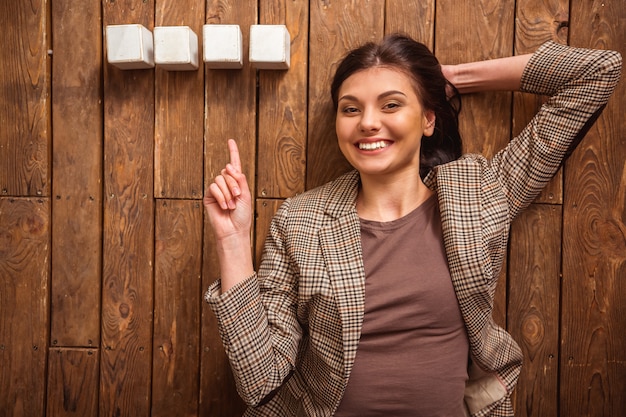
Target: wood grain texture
{"x":128,"y":241}
{"x":72,"y":382}
{"x":230,"y":113}
{"x":176,"y":340}
{"x":24,"y":314}
{"x":415,"y":18}
{"x":533,"y":309}
{"x":283,"y":106}
{"x":485,"y":118}
{"x":24,"y":99}
{"x":538,"y":21}
{"x":336,"y":27}
{"x":264,"y":214}
{"x":593,"y":362}
{"x":179,"y":112}
{"x":230,"y":106}
{"x":534,"y":285}
{"x":77,"y":182}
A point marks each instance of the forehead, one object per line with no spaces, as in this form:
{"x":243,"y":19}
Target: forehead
{"x":377,"y":80}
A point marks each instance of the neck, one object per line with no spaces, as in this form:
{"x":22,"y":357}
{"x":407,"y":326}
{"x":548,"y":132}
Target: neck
{"x":383,"y":199}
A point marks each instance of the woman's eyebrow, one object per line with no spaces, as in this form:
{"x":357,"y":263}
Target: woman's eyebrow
{"x":382,"y":95}
{"x":347,"y":97}
{"x":391,"y":93}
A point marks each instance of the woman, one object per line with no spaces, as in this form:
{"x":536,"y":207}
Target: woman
{"x":375,"y":292}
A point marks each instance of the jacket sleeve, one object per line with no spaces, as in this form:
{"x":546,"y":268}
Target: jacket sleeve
{"x":579,"y":83}
{"x":257,"y":321}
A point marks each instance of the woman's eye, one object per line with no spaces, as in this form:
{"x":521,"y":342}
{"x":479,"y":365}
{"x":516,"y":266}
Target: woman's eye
{"x":350,"y":109}
{"x":391,"y":105}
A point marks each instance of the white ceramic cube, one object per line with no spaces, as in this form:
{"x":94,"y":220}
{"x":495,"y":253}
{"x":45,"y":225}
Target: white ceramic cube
{"x":129,"y":46}
{"x":175,"y":48}
{"x":222,"y":46}
{"x":270,"y":47}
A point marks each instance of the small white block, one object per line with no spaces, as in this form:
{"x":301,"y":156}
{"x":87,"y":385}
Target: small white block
{"x":175,"y":48}
{"x":129,"y":46}
{"x":222,"y":46}
{"x":270,"y":47}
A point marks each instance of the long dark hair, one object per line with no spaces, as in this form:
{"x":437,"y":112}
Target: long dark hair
{"x":418,"y":62}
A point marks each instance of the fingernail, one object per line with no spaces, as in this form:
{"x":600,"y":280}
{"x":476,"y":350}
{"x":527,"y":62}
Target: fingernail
{"x":236,"y":191}
{"x":231,"y":204}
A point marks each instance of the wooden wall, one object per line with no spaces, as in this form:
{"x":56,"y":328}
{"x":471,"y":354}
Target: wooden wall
{"x":105,"y":250}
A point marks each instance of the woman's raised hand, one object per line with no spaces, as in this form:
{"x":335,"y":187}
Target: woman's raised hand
{"x":227,"y":200}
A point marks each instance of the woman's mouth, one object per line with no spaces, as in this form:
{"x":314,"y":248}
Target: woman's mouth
{"x":372,"y":146}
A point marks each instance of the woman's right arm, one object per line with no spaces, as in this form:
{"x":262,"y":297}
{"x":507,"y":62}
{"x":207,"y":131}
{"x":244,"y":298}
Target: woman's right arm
{"x":258,"y":327}
{"x":228,"y":204}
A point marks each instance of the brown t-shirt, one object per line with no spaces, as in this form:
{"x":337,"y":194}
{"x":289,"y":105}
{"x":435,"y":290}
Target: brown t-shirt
{"x":412,"y":355}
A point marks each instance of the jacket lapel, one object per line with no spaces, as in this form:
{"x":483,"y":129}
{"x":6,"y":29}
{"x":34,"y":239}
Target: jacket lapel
{"x":340,"y":240}
{"x":458,"y":190}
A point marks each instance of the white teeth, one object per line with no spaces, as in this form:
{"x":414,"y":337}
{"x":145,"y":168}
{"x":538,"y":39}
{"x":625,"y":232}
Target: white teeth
{"x":373,"y":145}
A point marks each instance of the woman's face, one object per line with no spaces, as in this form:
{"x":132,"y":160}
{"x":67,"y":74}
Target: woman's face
{"x":380,"y":122}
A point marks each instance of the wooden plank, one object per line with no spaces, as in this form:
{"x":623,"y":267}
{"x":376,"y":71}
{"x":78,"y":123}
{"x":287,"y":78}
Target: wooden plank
{"x":179,"y":146}
{"x":533,"y":311}
{"x":415,"y":18}
{"x":128,"y":243}
{"x":335,"y":28}
{"x":230,"y":113}
{"x":24,"y":100}
{"x":231,"y":98}
{"x":178,"y":264}
{"x":179,"y":118}
{"x":593,"y":361}
{"x":77,"y":181}
{"x":265,"y":212}
{"x":538,"y":21}
{"x":485,"y":119}
{"x":72,"y":382}
{"x":24,"y":316}
{"x":282,"y":106}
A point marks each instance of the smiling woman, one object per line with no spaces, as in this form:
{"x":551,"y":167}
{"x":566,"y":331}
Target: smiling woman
{"x":380,"y":124}
{"x":422,"y":70}
{"x":375,"y":292}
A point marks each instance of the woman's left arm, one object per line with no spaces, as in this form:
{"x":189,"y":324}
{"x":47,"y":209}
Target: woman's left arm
{"x":490,"y":75}
{"x":578,"y":83}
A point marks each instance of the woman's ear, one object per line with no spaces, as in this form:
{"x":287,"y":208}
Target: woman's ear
{"x":429,"y":123}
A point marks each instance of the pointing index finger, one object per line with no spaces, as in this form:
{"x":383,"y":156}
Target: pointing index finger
{"x":234,"y":154}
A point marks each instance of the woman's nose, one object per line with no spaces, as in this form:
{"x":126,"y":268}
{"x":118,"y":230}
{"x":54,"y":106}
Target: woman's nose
{"x":370,"y":121}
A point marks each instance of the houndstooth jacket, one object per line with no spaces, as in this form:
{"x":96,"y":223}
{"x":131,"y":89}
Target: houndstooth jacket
{"x":291,"y":331}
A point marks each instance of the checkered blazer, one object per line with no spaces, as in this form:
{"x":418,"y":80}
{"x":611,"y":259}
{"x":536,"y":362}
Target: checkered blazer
{"x":291,"y":331}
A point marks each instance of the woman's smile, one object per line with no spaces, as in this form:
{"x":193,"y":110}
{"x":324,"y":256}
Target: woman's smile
{"x":373,"y":146}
